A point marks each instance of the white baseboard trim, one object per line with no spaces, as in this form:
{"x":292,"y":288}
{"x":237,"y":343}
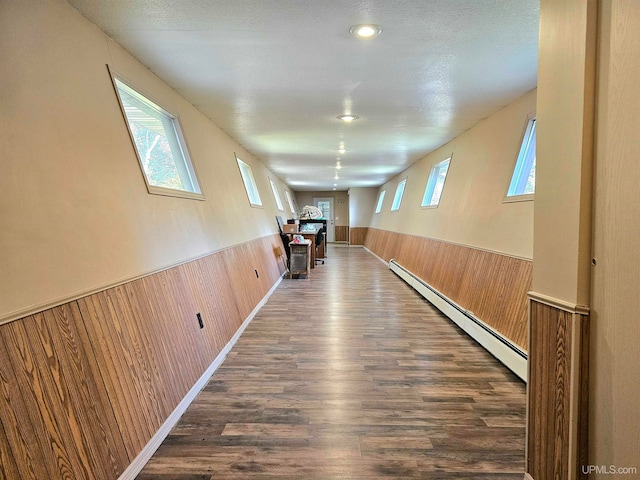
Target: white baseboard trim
{"x":379,"y":258}
{"x":495,"y":343}
{"x":147,"y":452}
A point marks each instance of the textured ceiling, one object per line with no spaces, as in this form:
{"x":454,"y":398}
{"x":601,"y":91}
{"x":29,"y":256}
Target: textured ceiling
{"x":274,"y":74}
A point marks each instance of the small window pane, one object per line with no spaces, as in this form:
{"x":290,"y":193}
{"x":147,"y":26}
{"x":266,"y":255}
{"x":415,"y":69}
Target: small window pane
{"x":159,"y":145}
{"x":380,"y":200}
{"x":435,"y":184}
{"x":276,"y":195}
{"x":397,"y":199}
{"x":290,"y":202}
{"x":523,"y":181}
{"x":249,"y":183}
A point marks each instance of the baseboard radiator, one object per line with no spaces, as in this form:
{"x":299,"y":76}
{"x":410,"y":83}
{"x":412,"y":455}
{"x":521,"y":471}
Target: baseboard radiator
{"x":512,"y":356}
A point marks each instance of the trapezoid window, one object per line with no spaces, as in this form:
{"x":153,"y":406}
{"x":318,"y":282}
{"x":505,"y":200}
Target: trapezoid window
{"x":159,"y":144}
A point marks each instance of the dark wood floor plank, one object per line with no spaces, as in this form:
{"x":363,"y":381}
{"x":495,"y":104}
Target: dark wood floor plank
{"x":350,"y":374}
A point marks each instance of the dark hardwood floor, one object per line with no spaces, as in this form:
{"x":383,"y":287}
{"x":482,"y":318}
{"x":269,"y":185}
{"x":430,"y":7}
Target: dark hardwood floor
{"x":350,"y":374}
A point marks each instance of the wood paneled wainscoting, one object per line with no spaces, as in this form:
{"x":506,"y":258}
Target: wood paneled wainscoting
{"x":341,"y":233}
{"x":87,"y":387}
{"x":486,"y":286}
{"x":357,"y":235}
{"x":557,"y":391}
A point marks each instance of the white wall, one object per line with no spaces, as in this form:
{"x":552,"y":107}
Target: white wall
{"x":362,"y":201}
{"x":74,"y":209}
{"x":614,"y":435}
{"x":471,"y":210}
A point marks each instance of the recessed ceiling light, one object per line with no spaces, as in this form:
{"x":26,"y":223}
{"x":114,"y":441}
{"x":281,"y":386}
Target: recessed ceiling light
{"x":347,"y":118}
{"x":338,"y":166}
{"x":342,"y":151}
{"x":367,"y":30}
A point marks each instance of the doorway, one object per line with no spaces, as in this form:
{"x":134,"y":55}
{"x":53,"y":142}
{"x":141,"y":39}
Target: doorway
{"x":325,"y":204}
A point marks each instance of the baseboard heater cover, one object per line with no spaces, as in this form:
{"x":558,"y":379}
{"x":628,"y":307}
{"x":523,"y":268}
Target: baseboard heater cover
{"x":509,"y":354}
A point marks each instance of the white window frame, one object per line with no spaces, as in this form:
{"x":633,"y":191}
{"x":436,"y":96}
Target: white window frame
{"x":287,"y":195}
{"x":380,"y":201}
{"x":276,"y":195}
{"x":524,"y":164}
{"x":429,"y":199}
{"x":253,"y":194}
{"x":173,"y":133}
{"x":397,"y":198}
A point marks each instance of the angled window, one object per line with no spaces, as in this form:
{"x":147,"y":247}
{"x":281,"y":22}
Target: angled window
{"x":397,"y":198}
{"x":435,"y":184}
{"x":380,"y":200}
{"x":249,"y":184}
{"x":276,"y":195}
{"x":159,"y":145}
{"x":523,"y":181}
{"x":287,"y":195}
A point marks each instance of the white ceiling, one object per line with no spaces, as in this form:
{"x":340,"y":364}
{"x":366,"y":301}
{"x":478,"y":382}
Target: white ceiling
{"x":274,"y":74}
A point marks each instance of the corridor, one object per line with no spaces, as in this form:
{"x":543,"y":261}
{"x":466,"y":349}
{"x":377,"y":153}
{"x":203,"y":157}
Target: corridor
{"x":350,"y":374}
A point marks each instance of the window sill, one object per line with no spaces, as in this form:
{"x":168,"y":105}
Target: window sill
{"x":519,"y":198}
{"x":168,"y":192}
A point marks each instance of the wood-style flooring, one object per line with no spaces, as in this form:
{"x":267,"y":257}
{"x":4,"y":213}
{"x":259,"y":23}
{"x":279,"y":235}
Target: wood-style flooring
{"x":350,"y":374}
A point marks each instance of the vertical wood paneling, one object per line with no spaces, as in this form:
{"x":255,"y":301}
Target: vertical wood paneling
{"x":238,"y":265}
{"x":67,"y":406}
{"x":112,"y":325}
{"x":85,"y":386}
{"x":492,"y":286}
{"x":551,"y":375}
{"x":357,"y":235}
{"x":26,"y":456}
{"x":341,"y":233}
{"x":8,"y":467}
{"x":213,"y":298}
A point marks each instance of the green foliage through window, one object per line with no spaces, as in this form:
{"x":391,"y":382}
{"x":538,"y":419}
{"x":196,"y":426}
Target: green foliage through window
{"x":159,"y":146}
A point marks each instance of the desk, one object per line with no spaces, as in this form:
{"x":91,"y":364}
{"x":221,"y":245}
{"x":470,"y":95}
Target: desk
{"x":310,"y":234}
{"x":320,"y":223}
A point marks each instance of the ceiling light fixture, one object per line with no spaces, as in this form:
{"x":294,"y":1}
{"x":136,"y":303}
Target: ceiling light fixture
{"x":347,"y":117}
{"x":336,"y":177}
{"x":365,"y":30}
{"x":342,"y":151}
{"x":338,"y":166}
